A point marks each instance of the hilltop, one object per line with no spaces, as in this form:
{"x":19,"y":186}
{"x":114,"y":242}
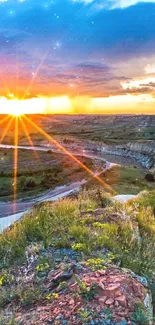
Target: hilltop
{"x":85,"y":259}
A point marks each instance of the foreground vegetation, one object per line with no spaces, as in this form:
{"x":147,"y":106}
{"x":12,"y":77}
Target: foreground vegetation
{"x":83,"y":224}
{"x":91,"y":225}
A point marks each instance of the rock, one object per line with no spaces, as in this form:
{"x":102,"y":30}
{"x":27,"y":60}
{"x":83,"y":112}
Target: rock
{"x":102,"y":300}
{"x":116,"y":289}
{"x":71,"y":302}
{"x":123,"y":313}
{"x":101,"y":272}
{"x":137,"y":288}
{"x":112,"y":291}
{"x":143,"y":153}
{"x":122,"y":301}
{"x":116,"y":303}
{"x":110,"y":301}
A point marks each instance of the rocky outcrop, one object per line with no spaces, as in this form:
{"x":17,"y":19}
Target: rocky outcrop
{"x":142,"y":152}
{"x":111,"y":296}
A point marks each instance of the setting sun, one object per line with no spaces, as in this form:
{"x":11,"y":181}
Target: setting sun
{"x":44,"y":105}
{"x":16,"y":107}
{"x":16,"y":112}
{"x":13,"y":107}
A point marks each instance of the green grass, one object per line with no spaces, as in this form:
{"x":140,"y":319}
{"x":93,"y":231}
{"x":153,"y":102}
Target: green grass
{"x":132,"y":181}
{"x":124,"y":180}
{"x":63,"y":224}
{"x":127,"y":232}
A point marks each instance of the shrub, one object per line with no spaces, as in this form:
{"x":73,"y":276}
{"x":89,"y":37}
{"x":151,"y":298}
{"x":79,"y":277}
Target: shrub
{"x":140,"y":317}
{"x":150,"y":177}
{"x":27,"y":183}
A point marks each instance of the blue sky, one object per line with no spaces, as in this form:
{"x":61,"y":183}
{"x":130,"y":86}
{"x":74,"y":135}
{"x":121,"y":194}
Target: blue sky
{"x":94,"y":48}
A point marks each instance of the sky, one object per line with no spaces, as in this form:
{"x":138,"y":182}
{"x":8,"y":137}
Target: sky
{"x":77,"y":56}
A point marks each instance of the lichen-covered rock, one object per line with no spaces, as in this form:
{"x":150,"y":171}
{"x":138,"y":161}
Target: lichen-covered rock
{"x":107,"y":296}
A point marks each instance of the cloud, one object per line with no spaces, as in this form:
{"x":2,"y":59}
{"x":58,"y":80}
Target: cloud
{"x":150,"y":68}
{"x":139,"y":86}
{"x":127,"y":3}
{"x":112,"y":4}
{"x":148,"y":82}
{"x":100,"y":4}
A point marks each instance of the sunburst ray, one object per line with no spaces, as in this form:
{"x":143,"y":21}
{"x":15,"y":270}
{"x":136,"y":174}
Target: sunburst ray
{"x":15,"y":161}
{"x":5,"y":119}
{"x":35,"y":75}
{"x":68,"y":153}
{"x":28,"y":137}
{"x":6,"y":130}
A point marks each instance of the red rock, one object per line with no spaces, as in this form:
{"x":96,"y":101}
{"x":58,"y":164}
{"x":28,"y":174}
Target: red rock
{"x":137,"y":290}
{"x":116,"y":303}
{"x":112,"y":291}
{"x":42,"y":308}
{"x":92,"y":279}
{"x":111,"y":306}
{"x":114,"y":279}
{"x":99,"y":308}
{"x":56,"y":311}
{"x":18,"y":317}
{"x":110,"y":301}
{"x":97,"y":297}
{"x":71,"y":302}
{"x":123,"y":313}
{"x":101,"y":284}
{"x":102,"y":300}
{"x":101,"y":272}
{"x":97,"y":275}
{"x":122,"y":301}
{"x":43,"y":317}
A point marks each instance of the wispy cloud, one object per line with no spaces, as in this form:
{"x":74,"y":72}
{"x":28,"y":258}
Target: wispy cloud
{"x":112,"y":4}
{"x":127,"y":3}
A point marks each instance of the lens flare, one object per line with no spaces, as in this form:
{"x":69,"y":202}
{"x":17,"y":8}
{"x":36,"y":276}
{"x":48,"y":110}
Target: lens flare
{"x":15,"y":161}
{"x":35,"y":75}
{"x":59,"y":146}
{"x":29,"y":138}
{"x":6,"y":129}
{"x":4,"y":119}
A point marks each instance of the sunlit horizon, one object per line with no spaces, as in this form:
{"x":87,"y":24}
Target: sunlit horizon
{"x":123,"y":104}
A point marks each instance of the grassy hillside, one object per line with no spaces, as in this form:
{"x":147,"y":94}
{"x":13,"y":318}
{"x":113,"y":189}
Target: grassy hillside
{"x":90,"y":228}
{"x":124,"y":180}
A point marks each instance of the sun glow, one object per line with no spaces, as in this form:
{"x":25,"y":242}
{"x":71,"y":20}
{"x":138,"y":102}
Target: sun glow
{"x":13,"y":107}
{"x":67,"y":105}
{"x":16,"y":113}
{"x":51,"y":105}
